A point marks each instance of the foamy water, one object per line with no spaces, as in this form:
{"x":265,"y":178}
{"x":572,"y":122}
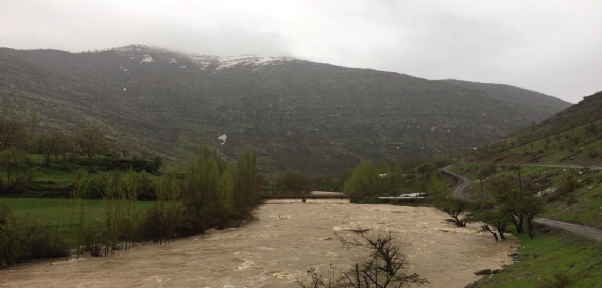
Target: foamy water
{"x":287,"y":239}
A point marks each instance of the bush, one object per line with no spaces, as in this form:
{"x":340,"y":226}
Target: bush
{"x":20,"y":241}
{"x":147,"y":189}
{"x":293,"y":183}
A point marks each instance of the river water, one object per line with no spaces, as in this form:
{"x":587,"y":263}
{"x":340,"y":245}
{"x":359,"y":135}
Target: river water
{"x":278,"y":248}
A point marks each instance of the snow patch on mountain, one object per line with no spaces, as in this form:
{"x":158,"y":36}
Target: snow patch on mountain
{"x":258,"y":61}
{"x":223,"y":138}
{"x":203,"y":60}
{"x":147,"y":59}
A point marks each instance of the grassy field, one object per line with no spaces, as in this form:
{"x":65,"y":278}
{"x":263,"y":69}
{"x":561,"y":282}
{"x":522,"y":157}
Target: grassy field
{"x":61,"y":214}
{"x":52,"y":211}
{"x":550,"y":259}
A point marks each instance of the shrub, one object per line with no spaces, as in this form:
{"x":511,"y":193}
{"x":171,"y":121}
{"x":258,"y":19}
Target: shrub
{"x":293,"y":183}
{"x":23,"y":240}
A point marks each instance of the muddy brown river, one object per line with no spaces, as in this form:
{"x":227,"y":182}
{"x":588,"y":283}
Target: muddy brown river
{"x":278,"y":248}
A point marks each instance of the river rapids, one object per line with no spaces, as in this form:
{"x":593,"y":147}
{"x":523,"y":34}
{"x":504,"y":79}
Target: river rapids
{"x":277,"y":249}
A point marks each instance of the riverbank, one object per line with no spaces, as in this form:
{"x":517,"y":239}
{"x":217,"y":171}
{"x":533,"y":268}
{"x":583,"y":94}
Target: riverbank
{"x":287,"y":239}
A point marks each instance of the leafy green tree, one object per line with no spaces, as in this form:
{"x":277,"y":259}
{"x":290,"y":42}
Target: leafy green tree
{"x":508,"y":196}
{"x":455,"y":208}
{"x":519,"y":203}
{"x":368,"y":179}
{"x":204,"y":193}
{"x":166,"y":214}
{"x":246,"y":184}
{"x":214,"y":193}
{"x":495,"y":218}
{"x":199,"y":188}
{"x":532,"y":207}
{"x":437,"y":185}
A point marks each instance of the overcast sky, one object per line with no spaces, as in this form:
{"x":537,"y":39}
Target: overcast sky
{"x":549,"y":46}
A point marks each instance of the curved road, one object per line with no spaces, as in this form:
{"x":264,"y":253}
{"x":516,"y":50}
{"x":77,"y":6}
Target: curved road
{"x":563,"y":166}
{"x":589,"y":232}
{"x":461,"y":184}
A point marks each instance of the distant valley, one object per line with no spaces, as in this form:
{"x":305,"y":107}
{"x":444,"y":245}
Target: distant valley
{"x":298,"y":115}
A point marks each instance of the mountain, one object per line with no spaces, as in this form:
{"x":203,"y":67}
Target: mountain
{"x":299,"y":115}
{"x":521,"y":100}
{"x":572,"y":136}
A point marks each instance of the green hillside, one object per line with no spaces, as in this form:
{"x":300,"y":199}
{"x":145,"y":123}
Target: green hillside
{"x":571,"y":137}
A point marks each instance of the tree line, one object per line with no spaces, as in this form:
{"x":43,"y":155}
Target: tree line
{"x":17,"y":142}
{"x":202,"y":193}
{"x":514,"y":200}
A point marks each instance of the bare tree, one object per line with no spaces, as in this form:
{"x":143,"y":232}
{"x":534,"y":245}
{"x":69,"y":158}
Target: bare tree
{"x":49,"y":144}
{"x":385,"y":266}
{"x":11,"y":133}
{"x":91,"y":141}
{"x":13,"y":161}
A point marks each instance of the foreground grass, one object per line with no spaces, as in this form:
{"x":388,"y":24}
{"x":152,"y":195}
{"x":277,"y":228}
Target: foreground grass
{"x":555,"y":259}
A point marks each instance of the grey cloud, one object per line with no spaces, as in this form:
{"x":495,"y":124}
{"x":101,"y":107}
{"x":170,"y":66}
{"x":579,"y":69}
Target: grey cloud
{"x":550,"y":47}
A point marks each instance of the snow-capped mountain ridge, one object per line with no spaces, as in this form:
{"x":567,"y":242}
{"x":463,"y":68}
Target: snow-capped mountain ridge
{"x":143,"y":54}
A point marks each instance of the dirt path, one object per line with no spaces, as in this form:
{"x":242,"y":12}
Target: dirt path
{"x":589,"y":232}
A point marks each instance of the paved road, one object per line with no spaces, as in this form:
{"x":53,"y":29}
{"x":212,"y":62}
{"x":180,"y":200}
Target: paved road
{"x":589,"y":232}
{"x":563,"y":166}
{"x":579,"y":229}
{"x":461,"y":184}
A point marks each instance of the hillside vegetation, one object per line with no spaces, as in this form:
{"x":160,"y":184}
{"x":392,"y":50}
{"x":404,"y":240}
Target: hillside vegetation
{"x":555,"y":162}
{"x":573,"y":136}
{"x":298,"y":115}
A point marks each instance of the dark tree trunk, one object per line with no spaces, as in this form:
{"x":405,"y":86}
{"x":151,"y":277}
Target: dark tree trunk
{"x":486,"y":227}
{"x":530,"y":227}
{"x":459,"y":223}
{"x":501,"y":228}
{"x":518,"y":223}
